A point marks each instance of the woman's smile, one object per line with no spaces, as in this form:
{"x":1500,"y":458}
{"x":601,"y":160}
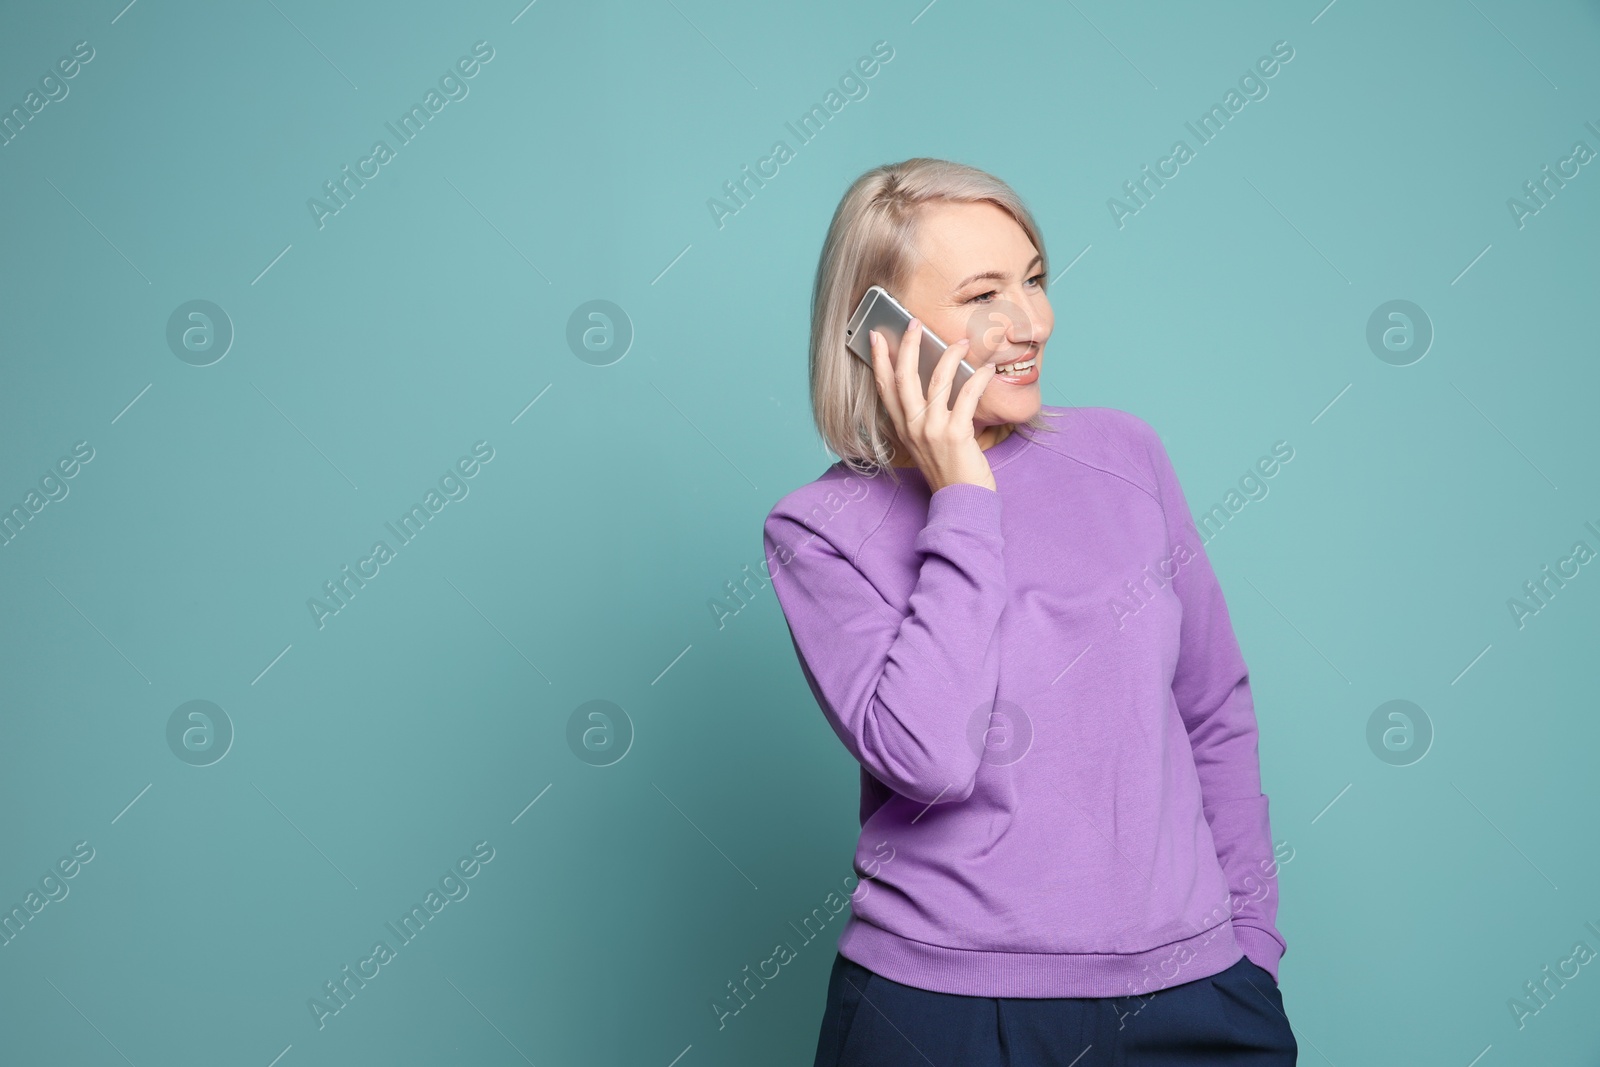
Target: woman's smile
{"x":1024,"y":371}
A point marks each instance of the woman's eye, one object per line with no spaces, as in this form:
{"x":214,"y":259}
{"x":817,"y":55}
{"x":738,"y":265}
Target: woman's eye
{"x":1038,"y":279}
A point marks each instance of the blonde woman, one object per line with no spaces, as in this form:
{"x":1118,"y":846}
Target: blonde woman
{"x":1006,"y":615}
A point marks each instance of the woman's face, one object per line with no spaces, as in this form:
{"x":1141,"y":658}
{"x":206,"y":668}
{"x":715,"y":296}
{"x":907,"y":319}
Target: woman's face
{"x":976,"y":275}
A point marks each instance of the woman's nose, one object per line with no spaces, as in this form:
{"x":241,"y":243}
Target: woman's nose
{"x":1020,"y":327}
{"x":1031,"y":322}
{"x":1008,"y":322}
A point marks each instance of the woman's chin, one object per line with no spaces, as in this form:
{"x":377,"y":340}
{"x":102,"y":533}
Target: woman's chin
{"x":1011,"y":403}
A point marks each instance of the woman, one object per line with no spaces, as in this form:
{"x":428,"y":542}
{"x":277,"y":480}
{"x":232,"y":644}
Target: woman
{"x":1005,"y":613}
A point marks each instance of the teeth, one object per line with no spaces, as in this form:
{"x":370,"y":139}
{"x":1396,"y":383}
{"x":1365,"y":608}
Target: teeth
{"x":1013,"y":368}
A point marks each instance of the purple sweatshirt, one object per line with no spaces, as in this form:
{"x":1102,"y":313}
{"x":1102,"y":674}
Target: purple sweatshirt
{"x":1060,"y":788}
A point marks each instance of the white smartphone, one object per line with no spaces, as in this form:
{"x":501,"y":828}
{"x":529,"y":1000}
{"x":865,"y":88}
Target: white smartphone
{"x":882,"y":312}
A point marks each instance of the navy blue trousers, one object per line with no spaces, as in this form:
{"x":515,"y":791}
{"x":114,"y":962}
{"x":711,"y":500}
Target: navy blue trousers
{"x":1234,"y":1018}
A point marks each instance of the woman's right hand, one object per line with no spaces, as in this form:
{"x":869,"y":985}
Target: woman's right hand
{"x":940,"y":438}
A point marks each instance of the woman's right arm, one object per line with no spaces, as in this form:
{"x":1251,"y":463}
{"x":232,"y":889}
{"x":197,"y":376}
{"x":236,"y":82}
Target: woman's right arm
{"x":909,"y":695}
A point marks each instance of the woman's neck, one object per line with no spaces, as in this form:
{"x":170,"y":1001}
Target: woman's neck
{"x":993,"y":434}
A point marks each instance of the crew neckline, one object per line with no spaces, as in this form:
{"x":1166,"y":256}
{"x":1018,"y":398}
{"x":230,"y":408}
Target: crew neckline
{"x":1013,"y":443}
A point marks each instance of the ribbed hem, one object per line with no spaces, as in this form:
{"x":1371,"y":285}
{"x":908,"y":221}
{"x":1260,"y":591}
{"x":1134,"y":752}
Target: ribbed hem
{"x":981,"y":973}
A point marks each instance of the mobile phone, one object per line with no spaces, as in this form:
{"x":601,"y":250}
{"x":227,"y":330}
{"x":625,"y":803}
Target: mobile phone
{"x":882,"y":312}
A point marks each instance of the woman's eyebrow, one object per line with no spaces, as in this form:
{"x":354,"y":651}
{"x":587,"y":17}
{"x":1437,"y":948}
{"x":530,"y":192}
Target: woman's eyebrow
{"x":996,"y":275}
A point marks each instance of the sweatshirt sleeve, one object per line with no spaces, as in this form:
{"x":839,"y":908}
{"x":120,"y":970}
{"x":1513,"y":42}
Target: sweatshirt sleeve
{"x":1211,"y":685}
{"x":901,"y":690}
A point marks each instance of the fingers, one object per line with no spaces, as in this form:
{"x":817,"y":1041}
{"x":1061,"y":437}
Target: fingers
{"x":918,"y":413}
{"x":967,"y":399}
{"x":884,"y":374}
{"x":944,"y":374}
{"x":908,"y":374}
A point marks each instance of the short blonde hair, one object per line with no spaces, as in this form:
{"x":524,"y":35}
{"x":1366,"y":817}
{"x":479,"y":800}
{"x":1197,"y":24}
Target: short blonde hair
{"x":870,"y":242}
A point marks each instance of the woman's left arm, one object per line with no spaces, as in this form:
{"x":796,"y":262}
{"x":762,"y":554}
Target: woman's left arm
{"x":1211,"y":685}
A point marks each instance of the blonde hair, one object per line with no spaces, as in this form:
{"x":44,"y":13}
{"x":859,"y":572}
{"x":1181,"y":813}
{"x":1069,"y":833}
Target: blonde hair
{"x":871,"y":242}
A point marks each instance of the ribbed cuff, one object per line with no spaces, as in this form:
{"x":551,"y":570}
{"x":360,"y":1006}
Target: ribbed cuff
{"x":1262,"y":948}
{"x":965,"y":504}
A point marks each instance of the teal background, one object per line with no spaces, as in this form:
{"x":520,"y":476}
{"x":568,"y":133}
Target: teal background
{"x":428,"y":714}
